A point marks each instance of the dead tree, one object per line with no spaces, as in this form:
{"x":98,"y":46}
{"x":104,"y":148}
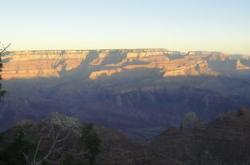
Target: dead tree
{"x":51,"y":135}
{"x":2,"y":52}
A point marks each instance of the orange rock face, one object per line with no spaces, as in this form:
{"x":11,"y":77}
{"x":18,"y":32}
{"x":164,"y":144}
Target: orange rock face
{"x":35,"y":64}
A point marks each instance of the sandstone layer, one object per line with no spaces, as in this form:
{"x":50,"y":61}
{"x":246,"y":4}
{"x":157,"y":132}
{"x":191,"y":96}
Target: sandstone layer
{"x":106,"y":63}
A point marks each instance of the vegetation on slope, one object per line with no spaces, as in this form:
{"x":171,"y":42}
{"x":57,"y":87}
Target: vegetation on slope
{"x":63,"y":140}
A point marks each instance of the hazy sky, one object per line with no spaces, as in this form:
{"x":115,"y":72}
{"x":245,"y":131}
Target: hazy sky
{"x":220,"y":25}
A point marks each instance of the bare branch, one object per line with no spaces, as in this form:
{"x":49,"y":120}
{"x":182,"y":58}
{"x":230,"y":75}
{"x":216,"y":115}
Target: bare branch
{"x":4,"y":48}
{"x":37,"y":148}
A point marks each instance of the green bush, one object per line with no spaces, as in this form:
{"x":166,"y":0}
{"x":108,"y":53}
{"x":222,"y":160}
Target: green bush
{"x":91,"y":143}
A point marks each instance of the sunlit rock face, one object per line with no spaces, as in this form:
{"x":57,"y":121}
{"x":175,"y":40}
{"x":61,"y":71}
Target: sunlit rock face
{"x":193,"y":68}
{"x":107,"y":63}
{"x":241,"y":66}
{"x":169,"y":64}
{"x":95,"y":75}
{"x":33,"y":64}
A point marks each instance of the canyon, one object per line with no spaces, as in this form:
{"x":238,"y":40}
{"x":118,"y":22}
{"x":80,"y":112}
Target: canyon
{"x":137,"y":91}
{"x":33,"y":64}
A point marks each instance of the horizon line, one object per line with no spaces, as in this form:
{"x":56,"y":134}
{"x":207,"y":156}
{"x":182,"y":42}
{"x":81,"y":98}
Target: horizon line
{"x":100,"y":49}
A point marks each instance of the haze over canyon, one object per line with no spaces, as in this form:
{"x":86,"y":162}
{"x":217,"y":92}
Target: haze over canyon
{"x":137,"y":91}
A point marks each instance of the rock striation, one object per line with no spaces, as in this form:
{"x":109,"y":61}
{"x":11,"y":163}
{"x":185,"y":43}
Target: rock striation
{"x":33,"y":64}
{"x":106,"y":63}
{"x":137,"y":91}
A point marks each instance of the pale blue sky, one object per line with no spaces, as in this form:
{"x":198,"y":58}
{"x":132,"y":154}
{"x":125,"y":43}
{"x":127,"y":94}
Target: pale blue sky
{"x":220,"y":25}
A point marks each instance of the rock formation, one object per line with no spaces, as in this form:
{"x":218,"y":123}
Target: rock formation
{"x":35,"y":64}
{"x":136,"y":91}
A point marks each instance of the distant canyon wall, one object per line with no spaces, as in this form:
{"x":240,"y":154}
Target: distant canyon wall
{"x":105,"y":63}
{"x":33,"y":64}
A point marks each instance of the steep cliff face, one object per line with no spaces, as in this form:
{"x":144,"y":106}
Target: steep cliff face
{"x":35,"y":64}
{"x":136,"y":91}
{"x":105,"y":63}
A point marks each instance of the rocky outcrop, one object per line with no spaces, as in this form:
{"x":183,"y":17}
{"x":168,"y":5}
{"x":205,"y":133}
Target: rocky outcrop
{"x":97,"y":74}
{"x":188,"y":68}
{"x":102,"y":56}
{"x":240,"y":66}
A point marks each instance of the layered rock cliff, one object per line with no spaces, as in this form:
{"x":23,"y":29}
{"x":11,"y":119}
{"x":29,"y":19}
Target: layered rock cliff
{"x":105,"y":63}
{"x":136,"y":91}
{"x":33,"y":64}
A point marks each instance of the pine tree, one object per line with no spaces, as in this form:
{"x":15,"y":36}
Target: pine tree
{"x":91,"y":142}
